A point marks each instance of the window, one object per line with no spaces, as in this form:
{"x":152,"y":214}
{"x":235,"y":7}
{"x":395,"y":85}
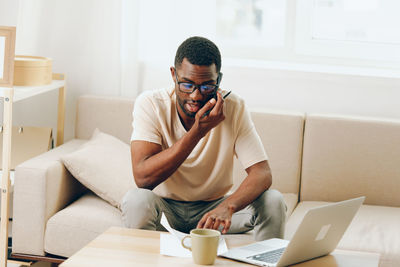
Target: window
{"x":359,"y":29}
{"x":357,"y":33}
{"x":365,"y":21}
{"x":251,"y":22}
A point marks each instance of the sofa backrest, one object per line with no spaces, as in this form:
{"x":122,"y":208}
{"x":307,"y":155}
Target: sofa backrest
{"x":345,"y":157}
{"x":282,"y":137}
{"x":112,"y":115}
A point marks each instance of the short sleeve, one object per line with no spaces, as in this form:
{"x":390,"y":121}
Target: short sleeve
{"x":248,"y":146}
{"x":145,"y":121}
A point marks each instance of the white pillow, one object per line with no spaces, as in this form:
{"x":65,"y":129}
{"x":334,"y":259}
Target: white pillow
{"x":103,"y":165}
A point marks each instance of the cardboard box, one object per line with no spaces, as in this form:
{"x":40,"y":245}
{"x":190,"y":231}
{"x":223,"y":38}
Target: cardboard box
{"x":26,"y":142}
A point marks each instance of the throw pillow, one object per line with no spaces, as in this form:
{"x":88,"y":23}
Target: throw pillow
{"x":103,"y":165}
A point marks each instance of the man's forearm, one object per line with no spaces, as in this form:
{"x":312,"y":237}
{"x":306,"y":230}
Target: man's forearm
{"x":157,"y":168}
{"x":254,"y":185}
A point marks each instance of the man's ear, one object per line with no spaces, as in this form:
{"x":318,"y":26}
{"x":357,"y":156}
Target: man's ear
{"x":172,"y":69}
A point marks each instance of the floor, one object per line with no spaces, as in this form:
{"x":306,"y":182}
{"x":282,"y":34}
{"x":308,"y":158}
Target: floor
{"x":38,"y":264}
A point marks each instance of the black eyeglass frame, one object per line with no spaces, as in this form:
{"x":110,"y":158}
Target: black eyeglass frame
{"x":196,"y":86}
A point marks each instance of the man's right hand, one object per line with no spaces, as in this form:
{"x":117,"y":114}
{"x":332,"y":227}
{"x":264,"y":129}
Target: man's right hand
{"x":205,"y":122}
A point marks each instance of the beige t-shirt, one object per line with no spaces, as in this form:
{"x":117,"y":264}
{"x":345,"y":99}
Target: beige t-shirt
{"x":207,"y":172}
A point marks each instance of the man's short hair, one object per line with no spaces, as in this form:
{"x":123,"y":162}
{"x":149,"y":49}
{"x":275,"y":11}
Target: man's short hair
{"x":198,"y":51}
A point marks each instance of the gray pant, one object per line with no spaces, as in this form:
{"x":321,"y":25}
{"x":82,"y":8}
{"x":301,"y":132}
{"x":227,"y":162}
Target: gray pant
{"x":142,"y":209}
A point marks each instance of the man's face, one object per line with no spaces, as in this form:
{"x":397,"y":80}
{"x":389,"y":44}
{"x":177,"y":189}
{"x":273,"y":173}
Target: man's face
{"x":190,"y":103}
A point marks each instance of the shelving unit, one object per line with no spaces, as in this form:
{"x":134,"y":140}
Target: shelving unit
{"x":10,"y":96}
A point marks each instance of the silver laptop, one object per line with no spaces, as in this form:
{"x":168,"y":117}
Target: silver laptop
{"x":317,"y":235}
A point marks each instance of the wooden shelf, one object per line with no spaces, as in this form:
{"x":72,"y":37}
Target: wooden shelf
{"x":10,"y":96}
{"x":24,"y":92}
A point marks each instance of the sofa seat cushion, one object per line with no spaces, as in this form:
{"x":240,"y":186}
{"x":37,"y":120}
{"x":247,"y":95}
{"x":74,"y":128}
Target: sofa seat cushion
{"x":291,"y":201}
{"x":79,"y":223}
{"x":373,"y":229}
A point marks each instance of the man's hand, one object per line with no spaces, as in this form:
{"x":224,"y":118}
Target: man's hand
{"x":258,"y":180}
{"x":205,"y":122}
{"x":221,"y":215}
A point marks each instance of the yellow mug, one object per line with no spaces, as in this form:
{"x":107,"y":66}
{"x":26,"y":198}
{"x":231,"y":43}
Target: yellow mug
{"x":204,"y":245}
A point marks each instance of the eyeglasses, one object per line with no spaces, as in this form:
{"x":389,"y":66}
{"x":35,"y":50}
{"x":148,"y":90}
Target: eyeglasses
{"x":205,"y":89}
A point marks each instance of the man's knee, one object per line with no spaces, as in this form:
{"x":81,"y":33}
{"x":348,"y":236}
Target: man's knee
{"x":137,"y":197}
{"x":138,"y":205}
{"x":270,"y":218}
{"x":271,"y":200}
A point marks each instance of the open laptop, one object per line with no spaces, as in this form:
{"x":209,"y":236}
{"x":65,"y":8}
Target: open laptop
{"x":317,"y":235}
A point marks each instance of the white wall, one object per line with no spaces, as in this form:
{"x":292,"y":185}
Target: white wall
{"x":316,"y":92}
{"x":292,"y":90}
{"x":9,"y":12}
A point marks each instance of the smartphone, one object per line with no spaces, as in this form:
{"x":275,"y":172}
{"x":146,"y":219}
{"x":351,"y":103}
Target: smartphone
{"x":208,"y":111}
{"x":216,"y":97}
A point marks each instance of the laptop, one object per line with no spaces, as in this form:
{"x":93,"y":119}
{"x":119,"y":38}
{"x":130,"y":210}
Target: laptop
{"x":317,"y":235}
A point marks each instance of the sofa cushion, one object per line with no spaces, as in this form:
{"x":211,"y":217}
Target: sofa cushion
{"x":79,"y":223}
{"x":112,"y":115}
{"x":103,"y":165}
{"x":282,"y":137}
{"x":291,"y":201}
{"x":373,"y":229}
{"x":346,"y":157}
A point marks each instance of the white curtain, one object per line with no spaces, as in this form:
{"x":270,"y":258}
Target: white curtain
{"x":82,"y":37}
{"x":93,"y":42}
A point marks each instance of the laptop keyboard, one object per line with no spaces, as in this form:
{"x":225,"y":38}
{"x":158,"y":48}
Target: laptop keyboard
{"x":270,"y":256}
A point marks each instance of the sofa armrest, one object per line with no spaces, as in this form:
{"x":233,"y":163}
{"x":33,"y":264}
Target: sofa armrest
{"x":42,"y":187}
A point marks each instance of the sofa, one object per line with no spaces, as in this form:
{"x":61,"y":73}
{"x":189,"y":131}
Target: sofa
{"x":315,"y":159}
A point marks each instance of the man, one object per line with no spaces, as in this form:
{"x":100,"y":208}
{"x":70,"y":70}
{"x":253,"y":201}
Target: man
{"x":183,"y":143}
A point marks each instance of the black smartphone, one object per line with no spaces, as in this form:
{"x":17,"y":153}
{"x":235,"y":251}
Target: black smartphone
{"x":208,"y":111}
{"x":215,"y":94}
{"x":225,"y":96}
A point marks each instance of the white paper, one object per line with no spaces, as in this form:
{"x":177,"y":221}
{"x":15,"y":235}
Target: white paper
{"x":176,"y":233}
{"x":170,"y":244}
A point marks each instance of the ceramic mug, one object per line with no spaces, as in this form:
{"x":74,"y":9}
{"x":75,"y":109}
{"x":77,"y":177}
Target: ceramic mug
{"x":204,"y":245}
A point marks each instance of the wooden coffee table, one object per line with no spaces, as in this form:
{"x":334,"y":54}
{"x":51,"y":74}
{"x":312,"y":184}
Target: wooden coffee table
{"x":132,"y":247}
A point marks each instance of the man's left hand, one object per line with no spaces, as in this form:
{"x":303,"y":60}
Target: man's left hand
{"x":221,"y":215}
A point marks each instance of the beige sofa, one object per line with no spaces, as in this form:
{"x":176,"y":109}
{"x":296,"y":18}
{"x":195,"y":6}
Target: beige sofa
{"x":314,"y":159}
